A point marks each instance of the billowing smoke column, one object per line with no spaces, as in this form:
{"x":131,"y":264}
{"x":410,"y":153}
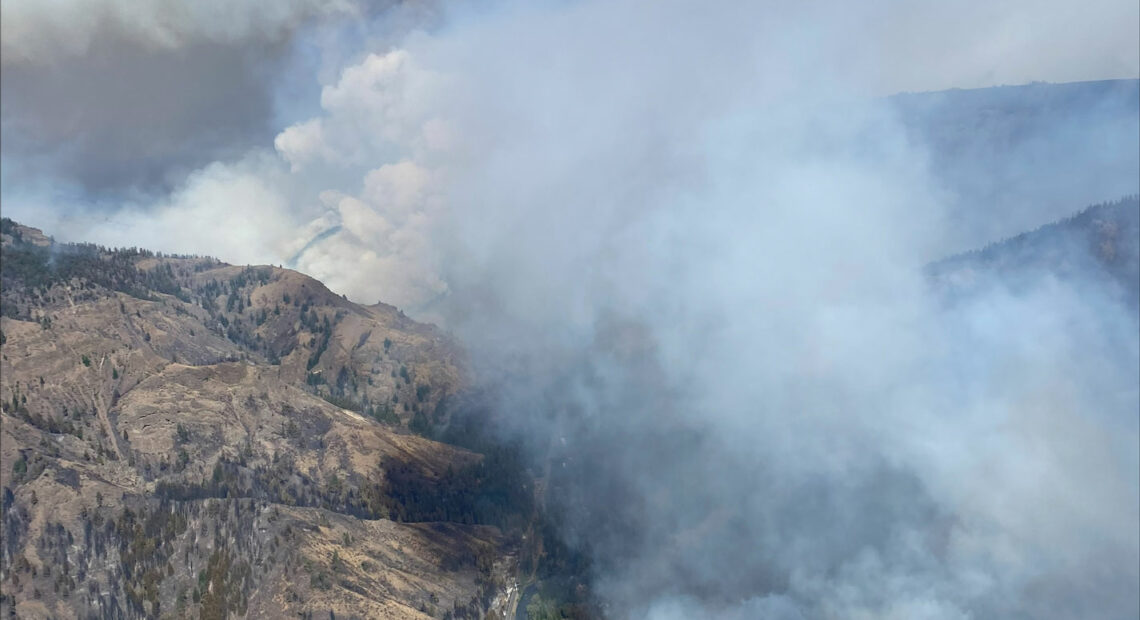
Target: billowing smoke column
{"x":684,"y":245}
{"x":693,"y":268}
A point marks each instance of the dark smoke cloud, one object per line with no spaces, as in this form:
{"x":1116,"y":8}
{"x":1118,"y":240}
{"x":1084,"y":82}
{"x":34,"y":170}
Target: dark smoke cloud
{"x":123,"y":115}
{"x":122,"y":98}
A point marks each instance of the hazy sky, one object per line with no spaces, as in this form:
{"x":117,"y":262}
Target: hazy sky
{"x":684,"y":241}
{"x":128,"y":121}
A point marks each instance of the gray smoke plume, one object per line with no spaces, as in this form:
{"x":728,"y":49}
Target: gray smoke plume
{"x":123,"y":99}
{"x":692,"y":265}
{"x":685,"y":246}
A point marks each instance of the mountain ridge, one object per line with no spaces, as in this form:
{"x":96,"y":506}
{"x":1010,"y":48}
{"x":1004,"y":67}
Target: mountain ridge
{"x":184,"y":437}
{"x":1099,"y":244}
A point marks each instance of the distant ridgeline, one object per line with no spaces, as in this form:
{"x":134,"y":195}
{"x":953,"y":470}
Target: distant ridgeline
{"x":1033,"y":153}
{"x":34,"y":263}
{"x":1099,"y":246}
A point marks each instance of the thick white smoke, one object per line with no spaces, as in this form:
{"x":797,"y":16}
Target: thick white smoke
{"x":707,"y":251}
{"x":685,"y":243}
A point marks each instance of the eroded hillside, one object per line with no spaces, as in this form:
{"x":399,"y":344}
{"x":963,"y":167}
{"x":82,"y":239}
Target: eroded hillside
{"x":185,"y":438}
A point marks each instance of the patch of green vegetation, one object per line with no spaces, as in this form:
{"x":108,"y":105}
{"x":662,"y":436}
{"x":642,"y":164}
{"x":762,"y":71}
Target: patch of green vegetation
{"x":344,"y":402}
{"x":384,"y":414}
{"x":419,"y":423}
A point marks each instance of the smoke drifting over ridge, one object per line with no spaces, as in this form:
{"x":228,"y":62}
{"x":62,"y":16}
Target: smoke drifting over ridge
{"x":713,"y":310}
{"x":684,"y":247}
{"x":92,"y":140}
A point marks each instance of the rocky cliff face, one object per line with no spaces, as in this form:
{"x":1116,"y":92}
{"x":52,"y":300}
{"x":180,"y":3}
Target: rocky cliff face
{"x":185,"y":438}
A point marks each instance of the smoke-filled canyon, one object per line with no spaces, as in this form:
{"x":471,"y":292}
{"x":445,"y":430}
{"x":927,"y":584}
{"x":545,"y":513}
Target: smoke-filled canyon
{"x":790,"y":311}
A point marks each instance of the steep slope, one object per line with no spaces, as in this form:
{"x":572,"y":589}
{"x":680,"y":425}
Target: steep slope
{"x":182,"y":438}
